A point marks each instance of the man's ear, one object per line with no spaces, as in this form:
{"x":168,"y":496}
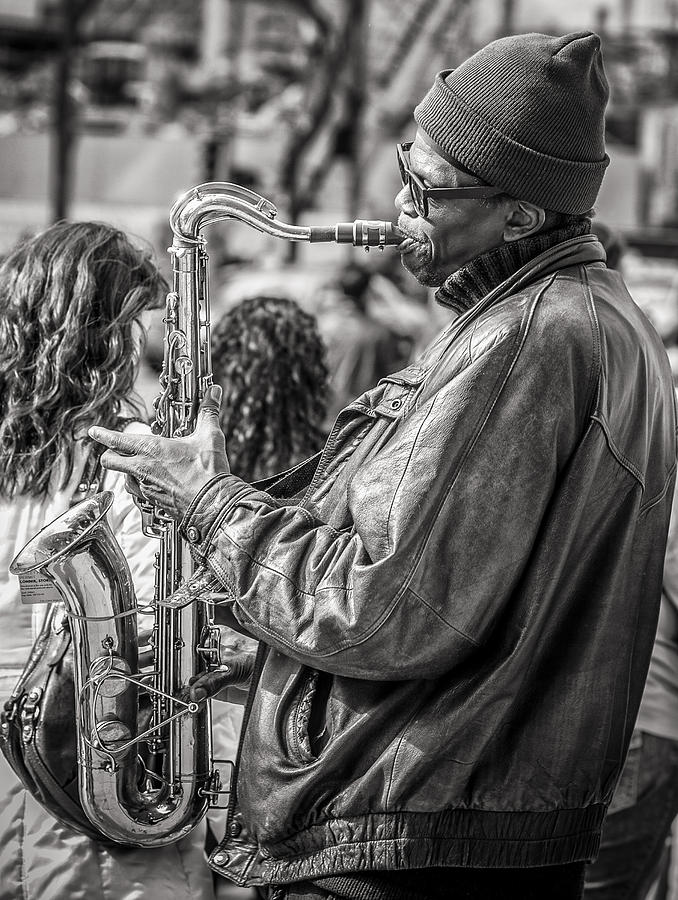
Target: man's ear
{"x":525,"y":219}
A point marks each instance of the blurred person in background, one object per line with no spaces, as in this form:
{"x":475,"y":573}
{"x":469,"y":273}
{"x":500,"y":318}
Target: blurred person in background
{"x":72,"y":303}
{"x":634,"y":851}
{"x":269,"y":360}
{"x":360,"y":348}
{"x":457,"y":605}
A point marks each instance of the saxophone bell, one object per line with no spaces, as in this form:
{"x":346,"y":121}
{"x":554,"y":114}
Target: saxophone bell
{"x":77,"y":560}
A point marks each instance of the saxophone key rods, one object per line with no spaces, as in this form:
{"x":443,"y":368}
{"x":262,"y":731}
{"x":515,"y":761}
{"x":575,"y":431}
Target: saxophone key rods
{"x":154,"y":799}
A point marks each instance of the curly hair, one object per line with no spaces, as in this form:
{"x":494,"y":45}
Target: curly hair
{"x":269,"y":359}
{"x":71,"y":299}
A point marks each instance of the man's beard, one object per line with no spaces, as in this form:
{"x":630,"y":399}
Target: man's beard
{"x":422,"y":265}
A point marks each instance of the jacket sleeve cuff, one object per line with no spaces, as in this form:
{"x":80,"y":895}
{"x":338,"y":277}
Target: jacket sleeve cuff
{"x":208,"y":507}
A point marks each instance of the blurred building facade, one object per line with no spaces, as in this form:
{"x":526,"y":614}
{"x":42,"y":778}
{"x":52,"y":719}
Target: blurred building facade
{"x":169,"y":94}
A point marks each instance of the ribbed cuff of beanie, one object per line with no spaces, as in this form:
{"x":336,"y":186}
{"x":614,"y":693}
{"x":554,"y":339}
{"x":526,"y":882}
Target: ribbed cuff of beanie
{"x":562,"y":185}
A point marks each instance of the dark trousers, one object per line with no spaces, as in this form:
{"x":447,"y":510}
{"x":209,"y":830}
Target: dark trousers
{"x":638,"y":822}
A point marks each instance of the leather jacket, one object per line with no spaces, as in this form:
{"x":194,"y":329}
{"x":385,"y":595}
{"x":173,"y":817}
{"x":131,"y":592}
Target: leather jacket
{"x":459,"y":607}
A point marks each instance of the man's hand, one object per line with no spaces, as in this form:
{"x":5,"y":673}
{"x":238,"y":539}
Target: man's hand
{"x":234,"y":672}
{"x":169,"y":472}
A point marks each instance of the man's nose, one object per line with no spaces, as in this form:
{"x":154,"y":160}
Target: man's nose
{"x":403,"y":202}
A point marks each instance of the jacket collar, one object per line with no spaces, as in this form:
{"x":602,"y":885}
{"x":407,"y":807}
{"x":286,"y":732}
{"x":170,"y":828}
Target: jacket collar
{"x":469,"y":284}
{"x":574,"y":252}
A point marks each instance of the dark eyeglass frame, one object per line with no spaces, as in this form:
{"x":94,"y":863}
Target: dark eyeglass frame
{"x":420,"y":193}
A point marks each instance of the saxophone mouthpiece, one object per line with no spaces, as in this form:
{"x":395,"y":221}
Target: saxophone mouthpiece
{"x":361,"y":233}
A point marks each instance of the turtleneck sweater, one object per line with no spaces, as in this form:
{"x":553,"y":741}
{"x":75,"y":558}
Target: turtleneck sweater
{"x":469,"y":284}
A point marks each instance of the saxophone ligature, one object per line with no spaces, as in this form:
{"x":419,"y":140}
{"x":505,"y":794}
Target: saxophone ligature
{"x":146,"y":779}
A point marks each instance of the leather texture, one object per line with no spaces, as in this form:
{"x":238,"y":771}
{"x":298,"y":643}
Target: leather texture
{"x":462,"y":605}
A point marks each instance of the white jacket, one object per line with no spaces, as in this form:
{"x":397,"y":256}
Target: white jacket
{"x":41,"y":859}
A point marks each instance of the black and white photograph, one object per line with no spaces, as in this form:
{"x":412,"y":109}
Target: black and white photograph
{"x":338,"y":450}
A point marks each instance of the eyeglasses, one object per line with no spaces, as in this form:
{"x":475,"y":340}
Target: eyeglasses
{"x":420,"y":194}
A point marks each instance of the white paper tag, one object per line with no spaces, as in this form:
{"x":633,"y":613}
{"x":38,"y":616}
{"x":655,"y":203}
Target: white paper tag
{"x":37,"y":588}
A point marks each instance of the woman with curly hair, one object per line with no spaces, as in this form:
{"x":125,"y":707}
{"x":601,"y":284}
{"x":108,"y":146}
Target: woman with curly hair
{"x":72,"y":300}
{"x":269,"y":359}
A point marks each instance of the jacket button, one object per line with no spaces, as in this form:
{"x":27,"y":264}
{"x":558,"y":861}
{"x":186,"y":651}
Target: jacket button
{"x":221,"y":859}
{"x":397,"y":403}
{"x":235,"y":829}
{"x":193,"y":534}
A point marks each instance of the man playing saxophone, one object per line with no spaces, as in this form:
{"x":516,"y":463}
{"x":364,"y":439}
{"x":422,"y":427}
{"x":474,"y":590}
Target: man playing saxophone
{"x":457,"y":605}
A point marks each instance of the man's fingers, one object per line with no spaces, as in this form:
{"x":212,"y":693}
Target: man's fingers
{"x":209,"y":684}
{"x":211,"y":404}
{"x":208,"y":431}
{"x":128,"y":465}
{"x":206,"y":685}
{"x":132,"y":487}
{"x":129,"y":444}
{"x":131,"y":454}
{"x":237,"y":671}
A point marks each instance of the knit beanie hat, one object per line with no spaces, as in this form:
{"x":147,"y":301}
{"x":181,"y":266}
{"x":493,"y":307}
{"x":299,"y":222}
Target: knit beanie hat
{"x":526,"y":114}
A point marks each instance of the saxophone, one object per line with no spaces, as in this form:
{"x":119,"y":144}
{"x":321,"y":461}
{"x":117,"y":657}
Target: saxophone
{"x":147,"y":779}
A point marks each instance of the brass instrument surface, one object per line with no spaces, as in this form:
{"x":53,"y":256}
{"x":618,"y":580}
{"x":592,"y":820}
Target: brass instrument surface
{"x":148,"y":783}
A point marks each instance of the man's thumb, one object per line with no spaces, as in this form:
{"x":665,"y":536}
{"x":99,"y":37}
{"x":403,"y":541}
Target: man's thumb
{"x":212,"y":400}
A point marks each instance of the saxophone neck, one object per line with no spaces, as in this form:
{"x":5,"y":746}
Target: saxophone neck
{"x":214,"y":201}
